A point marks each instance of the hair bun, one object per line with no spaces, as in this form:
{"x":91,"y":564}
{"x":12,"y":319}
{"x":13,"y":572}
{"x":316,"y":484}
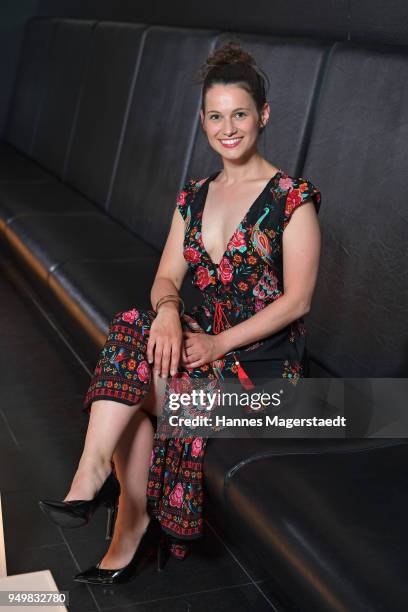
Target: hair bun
{"x":230,"y":53}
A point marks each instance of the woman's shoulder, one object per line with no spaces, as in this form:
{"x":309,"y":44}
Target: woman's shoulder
{"x":193,"y":183}
{"x":297,"y":191}
{"x":290,"y":183}
{"x":186,"y":195}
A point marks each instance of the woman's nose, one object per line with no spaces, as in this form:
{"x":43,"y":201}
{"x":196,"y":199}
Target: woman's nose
{"x":229,"y":128}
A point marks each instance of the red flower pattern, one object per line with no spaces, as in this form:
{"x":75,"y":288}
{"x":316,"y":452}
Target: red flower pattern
{"x":180,"y":383}
{"x":130,"y":315}
{"x":196,"y":447}
{"x":176,"y":496}
{"x":237,"y":241}
{"x":143,"y":371}
{"x":192,"y":255}
{"x":181,"y":199}
{"x":203,"y":277}
{"x":225,"y":270}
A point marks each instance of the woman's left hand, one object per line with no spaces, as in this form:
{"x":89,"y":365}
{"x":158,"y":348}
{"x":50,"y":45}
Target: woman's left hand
{"x":199,"y":348}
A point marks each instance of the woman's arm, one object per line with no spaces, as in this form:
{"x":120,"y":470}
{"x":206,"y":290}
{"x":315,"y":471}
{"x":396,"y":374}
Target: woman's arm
{"x":165,"y":338}
{"x":172,"y":267}
{"x":301,"y":245}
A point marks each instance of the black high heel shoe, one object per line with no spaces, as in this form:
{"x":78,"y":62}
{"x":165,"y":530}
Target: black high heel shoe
{"x":76,"y":513}
{"x":152,"y":540}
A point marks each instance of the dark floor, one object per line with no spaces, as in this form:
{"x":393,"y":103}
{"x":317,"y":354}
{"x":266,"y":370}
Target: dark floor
{"x":43,"y":380}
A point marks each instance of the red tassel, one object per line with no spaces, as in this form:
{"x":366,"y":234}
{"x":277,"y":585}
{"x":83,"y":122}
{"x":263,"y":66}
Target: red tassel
{"x":244,"y":378}
{"x":218,"y":325}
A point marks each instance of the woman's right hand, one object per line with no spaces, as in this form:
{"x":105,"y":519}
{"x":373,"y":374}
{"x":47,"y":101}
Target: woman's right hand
{"x":165,"y":340}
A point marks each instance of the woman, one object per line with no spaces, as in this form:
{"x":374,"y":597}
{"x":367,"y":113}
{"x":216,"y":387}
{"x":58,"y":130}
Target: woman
{"x":232,"y":231}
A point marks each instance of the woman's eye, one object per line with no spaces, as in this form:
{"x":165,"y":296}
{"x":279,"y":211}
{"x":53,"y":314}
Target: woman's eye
{"x":238,"y":114}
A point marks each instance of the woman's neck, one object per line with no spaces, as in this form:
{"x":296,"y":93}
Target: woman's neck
{"x":255,"y":168}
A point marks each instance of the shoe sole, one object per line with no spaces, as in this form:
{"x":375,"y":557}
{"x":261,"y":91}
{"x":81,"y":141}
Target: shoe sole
{"x":142,"y":565}
{"x":58,"y":518}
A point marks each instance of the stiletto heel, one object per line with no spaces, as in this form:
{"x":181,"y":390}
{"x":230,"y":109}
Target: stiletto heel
{"x":150,"y":539}
{"x":76,"y":513}
{"x":110,"y":524}
{"x":163,"y":552}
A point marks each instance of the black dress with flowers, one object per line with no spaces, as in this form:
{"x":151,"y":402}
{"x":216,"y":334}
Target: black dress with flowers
{"x":248,"y":278}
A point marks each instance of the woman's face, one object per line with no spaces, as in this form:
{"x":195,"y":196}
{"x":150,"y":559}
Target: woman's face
{"x":231,"y":121}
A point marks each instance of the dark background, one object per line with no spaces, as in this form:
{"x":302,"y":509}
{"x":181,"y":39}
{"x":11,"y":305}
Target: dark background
{"x":355,"y":20}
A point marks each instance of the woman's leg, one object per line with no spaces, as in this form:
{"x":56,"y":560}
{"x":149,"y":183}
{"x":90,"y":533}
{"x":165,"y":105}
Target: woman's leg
{"x":123,"y":433}
{"x":107,"y":421}
{"x":132,"y":463}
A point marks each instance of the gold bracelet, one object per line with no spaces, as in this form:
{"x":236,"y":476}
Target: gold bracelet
{"x":170,"y":295}
{"x":164,"y":302}
{"x":181,"y":308}
{"x":171,"y":298}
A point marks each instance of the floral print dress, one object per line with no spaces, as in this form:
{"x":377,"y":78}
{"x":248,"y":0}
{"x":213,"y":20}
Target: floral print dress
{"x":248,"y":278}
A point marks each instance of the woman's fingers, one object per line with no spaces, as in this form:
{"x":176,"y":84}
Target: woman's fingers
{"x":165,"y":362}
{"x":175,"y":358}
{"x":191,"y":351}
{"x":189,"y":339}
{"x":164,"y":343}
{"x":166,"y":353}
{"x":168,"y":357}
{"x":150,"y":348}
{"x":158,"y":356}
{"x":184,"y":357}
{"x":196,"y":363}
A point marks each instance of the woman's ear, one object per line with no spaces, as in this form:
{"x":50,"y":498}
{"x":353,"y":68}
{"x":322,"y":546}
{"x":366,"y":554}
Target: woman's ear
{"x":202,"y":119}
{"x":264,"y":115}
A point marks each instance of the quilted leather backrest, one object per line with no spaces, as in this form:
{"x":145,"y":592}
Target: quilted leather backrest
{"x":358,"y":157}
{"x":160,"y":131}
{"x":67,"y":68}
{"x":112,"y":68}
{"x":31,"y":84}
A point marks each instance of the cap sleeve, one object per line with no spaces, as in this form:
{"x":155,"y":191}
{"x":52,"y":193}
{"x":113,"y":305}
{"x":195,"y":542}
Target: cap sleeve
{"x":299,"y":193}
{"x":182,"y":203}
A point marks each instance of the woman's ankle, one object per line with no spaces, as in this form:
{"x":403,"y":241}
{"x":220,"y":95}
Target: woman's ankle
{"x":129,"y":526}
{"x":98,"y":465}
{"x":88,"y":479}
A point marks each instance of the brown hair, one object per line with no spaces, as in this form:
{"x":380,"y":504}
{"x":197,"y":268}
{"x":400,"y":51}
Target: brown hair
{"x":232,"y":64}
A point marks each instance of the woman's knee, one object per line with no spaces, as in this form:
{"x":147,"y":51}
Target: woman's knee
{"x":135,"y":317}
{"x":153,"y":401}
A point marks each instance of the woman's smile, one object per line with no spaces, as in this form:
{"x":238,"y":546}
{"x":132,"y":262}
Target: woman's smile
{"x":231,"y":142}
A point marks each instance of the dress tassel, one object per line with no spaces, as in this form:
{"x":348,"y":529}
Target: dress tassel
{"x":218,"y":325}
{"x":245,"y":381}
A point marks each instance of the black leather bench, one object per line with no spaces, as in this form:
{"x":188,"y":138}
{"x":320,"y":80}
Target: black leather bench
{"x":102,"y":133}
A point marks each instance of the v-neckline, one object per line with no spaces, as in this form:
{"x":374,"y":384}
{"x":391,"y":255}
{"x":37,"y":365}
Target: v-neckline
{"x":204,"y":192}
